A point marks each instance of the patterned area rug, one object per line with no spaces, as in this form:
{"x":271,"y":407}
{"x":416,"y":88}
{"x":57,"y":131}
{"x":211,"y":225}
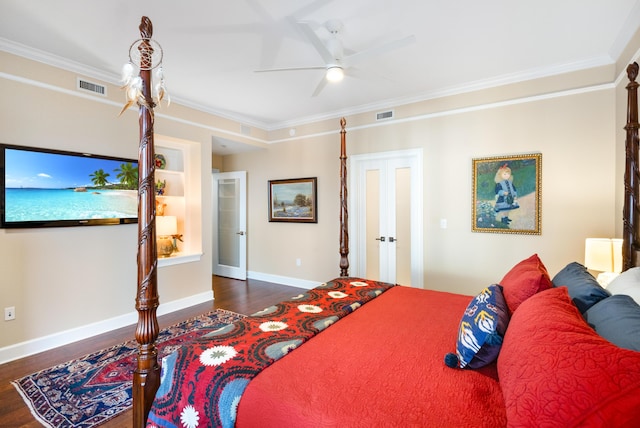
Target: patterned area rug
{"x":97,"y":387}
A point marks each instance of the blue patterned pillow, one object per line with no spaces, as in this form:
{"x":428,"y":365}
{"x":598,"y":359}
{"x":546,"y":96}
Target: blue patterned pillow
{"x":481,"y":330}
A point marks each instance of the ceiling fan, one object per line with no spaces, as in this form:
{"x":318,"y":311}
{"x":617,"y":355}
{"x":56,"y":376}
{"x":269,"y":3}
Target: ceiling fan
{"x":336,"y":64}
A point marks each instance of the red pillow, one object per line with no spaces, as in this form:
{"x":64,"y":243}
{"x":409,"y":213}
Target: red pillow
{"x":555,"y":370}
{"x":524,"y":280}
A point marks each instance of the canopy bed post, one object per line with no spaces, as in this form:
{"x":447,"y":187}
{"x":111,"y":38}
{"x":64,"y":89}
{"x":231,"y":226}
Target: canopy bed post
{"x":344,"y":214}
{"x":146,"y":377}
{"x":631,"y":174}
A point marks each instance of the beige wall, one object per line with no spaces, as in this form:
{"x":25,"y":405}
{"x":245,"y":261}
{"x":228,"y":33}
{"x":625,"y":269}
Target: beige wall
{"x":63,"y":279}
{"x":575,"y":132}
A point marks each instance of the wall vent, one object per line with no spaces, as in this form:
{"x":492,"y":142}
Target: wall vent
{"x":384,"y":115}
{"x":96,"y":88}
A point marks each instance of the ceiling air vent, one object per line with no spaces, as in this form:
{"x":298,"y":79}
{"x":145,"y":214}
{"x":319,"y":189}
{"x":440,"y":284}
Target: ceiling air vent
{"x":384,"y":115}
{"x":85,"y":85}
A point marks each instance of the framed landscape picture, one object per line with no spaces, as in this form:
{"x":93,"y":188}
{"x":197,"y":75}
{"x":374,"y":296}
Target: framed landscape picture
{"x":294,"y":200}
{"x":506,"y":194}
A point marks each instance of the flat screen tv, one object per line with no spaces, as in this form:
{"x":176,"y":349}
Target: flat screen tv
{"x":53,"y":188}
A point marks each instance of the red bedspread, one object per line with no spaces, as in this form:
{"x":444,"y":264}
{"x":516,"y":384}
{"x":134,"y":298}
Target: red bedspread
{"x":380,"y":366}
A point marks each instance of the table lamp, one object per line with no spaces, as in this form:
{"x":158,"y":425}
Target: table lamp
{"x":166,"y":227}
{"x":603,"y":255}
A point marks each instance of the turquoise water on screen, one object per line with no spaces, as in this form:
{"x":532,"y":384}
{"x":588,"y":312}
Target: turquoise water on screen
{"x":65,"y":204}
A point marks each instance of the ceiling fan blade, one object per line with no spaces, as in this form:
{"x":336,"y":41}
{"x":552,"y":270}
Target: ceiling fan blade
{"x":369,"y":75}
{"x":378,"y":50}
{"x":355,"y":72}
{"x":268,"y":70}
{"x":320,"y":87}
{"x":327,"y":57}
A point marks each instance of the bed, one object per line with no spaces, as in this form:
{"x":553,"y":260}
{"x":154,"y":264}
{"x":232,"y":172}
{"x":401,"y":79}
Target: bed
{"x":533,"y":349}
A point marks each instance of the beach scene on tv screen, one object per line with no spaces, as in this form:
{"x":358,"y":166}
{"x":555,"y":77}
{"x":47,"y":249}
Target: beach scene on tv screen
{"x":42,"y":186}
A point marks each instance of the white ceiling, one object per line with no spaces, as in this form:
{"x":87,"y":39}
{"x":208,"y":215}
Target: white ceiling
{"x":212,"y":47}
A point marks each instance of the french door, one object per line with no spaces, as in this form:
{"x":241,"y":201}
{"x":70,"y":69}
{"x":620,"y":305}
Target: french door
{"x":386,"y":217}
{"x":230,"y":224}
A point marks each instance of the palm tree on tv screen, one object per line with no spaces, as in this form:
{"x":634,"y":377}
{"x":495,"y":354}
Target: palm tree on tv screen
{"x":99,"y":178}
{"x":128,"y":175}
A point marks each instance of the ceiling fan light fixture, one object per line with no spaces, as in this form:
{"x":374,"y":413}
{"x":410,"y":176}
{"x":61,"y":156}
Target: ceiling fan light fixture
{"x":334,"y":74}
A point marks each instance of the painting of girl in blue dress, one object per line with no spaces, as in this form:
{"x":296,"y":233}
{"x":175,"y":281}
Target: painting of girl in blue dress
{"x":506,"y":194}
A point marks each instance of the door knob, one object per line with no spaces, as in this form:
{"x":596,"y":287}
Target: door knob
{"x":240,"y":233}
{"x":380,"y":239}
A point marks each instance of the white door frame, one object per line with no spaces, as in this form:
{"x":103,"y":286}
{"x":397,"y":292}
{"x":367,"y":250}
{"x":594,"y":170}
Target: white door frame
{"x":240,"y":271}
{"x":357,"y":195}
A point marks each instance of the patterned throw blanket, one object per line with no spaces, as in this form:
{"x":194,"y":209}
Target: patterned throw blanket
{"x":202,"y":383}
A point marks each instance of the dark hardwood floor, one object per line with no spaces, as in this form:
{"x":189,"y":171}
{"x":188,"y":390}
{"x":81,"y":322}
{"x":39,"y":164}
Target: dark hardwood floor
{"x":244,"y":297}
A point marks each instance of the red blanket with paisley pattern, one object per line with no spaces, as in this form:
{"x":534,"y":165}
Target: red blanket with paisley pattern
{"x":381,"y":366}
{"x":202,"y":383}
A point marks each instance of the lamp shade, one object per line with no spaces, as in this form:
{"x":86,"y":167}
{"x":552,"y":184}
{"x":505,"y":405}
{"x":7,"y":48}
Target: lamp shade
{"x":603,"y":254}
{"x":166,"y":225}
{"x":617,"y":255}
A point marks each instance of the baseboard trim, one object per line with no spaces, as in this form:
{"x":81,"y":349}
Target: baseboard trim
{"x":285,"y":280}
{"x":41,"y":344}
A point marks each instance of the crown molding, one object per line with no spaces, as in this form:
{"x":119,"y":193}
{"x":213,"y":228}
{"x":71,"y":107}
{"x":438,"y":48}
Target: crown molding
{"x":112,"y":78}
{"x":506,"y":79}
{"x":478,"y":85}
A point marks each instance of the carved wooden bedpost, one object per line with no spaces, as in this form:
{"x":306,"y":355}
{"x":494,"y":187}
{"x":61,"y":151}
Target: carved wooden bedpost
{"x":344,"y":216}
{"x":631,"y":174}
{"x":146,"y":377}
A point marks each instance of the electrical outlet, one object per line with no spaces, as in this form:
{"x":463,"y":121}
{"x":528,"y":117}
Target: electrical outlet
{"x":9,"y":313}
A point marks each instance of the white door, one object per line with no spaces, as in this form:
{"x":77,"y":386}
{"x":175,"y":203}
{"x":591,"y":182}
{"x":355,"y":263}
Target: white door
{"x":386,"y":217}
{"x":230,"y":224}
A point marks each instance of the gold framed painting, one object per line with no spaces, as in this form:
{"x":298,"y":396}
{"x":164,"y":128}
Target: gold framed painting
{"x":506,"y":194}
{"x":294,"y":200}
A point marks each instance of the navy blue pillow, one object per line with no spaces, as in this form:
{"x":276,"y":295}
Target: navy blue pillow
{"x":481,"y":330}
{"x":583,"y":287}
{"x":617,"y":319}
